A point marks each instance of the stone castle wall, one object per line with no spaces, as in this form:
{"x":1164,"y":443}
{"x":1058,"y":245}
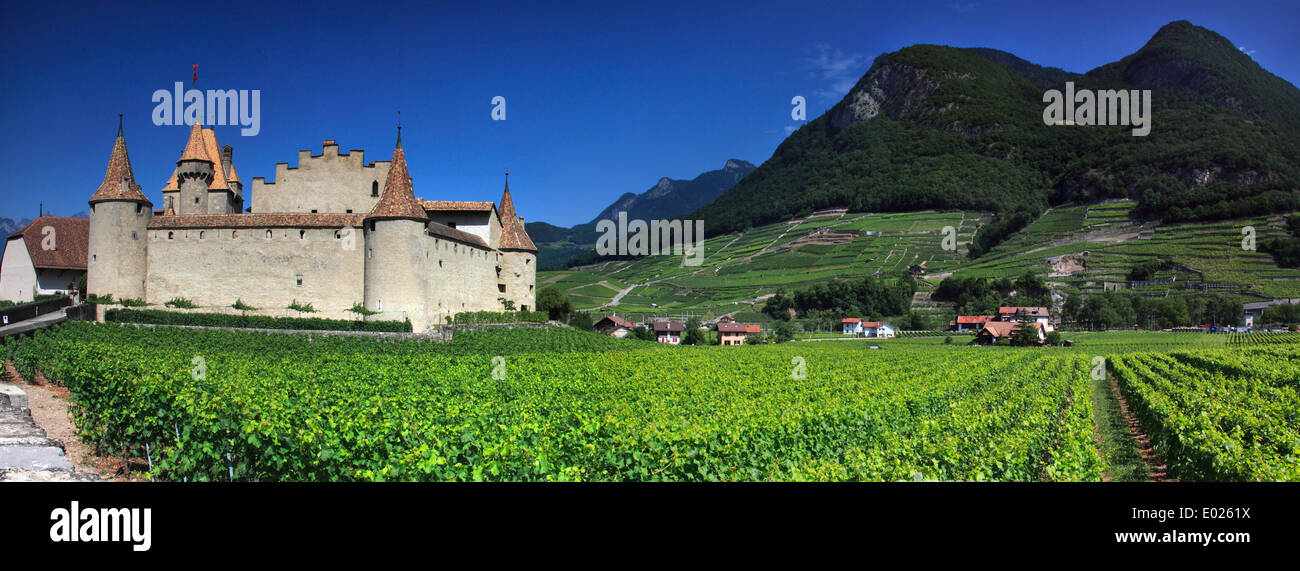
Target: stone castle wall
{"x":212,"y":267}
{"x":116,"y":261}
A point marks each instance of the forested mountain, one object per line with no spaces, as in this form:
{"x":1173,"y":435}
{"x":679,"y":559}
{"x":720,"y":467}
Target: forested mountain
{"x":935,"y":127}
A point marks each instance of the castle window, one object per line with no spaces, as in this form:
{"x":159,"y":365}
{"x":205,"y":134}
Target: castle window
{"x":501,"y":288}
{"x":134,"y":236}
{"x":201,"y":233}
{"x":370,"y":253}
{"x":196,"y":200}
{"x":349,"y":211}
{"x":139,"y":209}
{"x":268,"y":234}
{"x":171,"y":235}
{"x":530,"y":289}
{"x":297,"y":280}
{"x":338,"y":234}
{"x":374,"y":188}
{"x":302,"y":234}
{"x":234,"y":234}
{"x":523,"y":308}
{"x":313,"y":211}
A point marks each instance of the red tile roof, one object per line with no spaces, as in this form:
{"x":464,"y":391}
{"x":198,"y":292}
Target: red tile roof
{"x":872,"y":324}
{"x":738,"y":328}
{"x":669,"y":327}
{"x":202,"y":145}
{"x":397,"y":201}
{"x":458,"y":206}
{"x":999,"y":328}
{"x":119,"y":170}
{"x":1032,"y":311}
{"x":71,"y":239}
{"x":973,"y":319}
{"x":618,"y":321}
{"x":513,"y":235}
{"x":448,"y":232}
{"x":851,"y":320}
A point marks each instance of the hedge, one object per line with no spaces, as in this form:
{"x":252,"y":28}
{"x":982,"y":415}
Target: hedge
{"x":161,"y":317}
{"x":485,"y":317}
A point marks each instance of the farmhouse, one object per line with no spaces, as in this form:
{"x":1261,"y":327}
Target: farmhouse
{"x":46,"y":257}
{"x":852,"y":325}
{"x":969,"y":322}
{"x":994,"y":331}
{"x":731,"y":333}
{"x":614,"y":325}
{"x":669,"y":332}
{"x":856,"y":326}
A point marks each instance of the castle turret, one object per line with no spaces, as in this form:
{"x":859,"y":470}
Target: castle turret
{"x":194,"y":173}
{"x":119,"y":218}
{"x":396,"y":279}
{"x":518,"y":272}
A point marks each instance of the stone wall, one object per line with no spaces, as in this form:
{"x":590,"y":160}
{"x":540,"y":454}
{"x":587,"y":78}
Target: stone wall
{"x":461,"y":278}
{"x":212,"y":267}
{"x":519,"y":274}
{"x":328,"y":182}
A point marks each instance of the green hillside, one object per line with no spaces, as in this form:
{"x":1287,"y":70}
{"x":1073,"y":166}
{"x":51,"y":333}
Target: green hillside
{"x":1073,"y":248}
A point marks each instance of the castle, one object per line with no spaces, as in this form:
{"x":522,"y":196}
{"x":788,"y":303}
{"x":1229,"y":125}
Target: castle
{"x":333,"y":232}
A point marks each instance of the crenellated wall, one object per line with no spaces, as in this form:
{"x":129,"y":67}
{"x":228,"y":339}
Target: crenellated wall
{"x":328,"y":182}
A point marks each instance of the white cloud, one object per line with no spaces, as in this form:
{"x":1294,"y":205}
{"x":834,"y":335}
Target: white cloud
{"x":839,"y":71}
{"x":1246,"y":50}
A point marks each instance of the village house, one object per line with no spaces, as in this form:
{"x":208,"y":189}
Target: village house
{"x":669,"y":332}
{"x":614,"y":325}
{"x":731,"y":333}
{"x":46,"y":257}
{"x":857,"y":327}
{"x":969,"y":322}
{"x":852,"y":325}
{"x":994,"y":331}
{"x":1017,"y":314}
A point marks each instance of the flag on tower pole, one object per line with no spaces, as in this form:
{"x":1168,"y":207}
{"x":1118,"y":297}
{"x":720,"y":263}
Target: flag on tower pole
{"x":196,"y":75}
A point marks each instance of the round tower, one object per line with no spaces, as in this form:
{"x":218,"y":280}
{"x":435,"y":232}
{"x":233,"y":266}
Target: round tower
{"x":518,"y":256}
{"x":194,"y":173}
{"x":117,"y":257}
{"x":396,"y":283}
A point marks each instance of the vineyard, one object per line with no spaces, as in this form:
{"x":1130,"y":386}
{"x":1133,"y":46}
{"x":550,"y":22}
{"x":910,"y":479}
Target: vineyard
{"x":1220,"y":415}
{"x":559,"y":404}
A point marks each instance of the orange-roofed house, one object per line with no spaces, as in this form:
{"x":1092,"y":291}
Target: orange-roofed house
{"x":852,"y":325}
{"x":970,"y":322}
{"x":732,"y":333}
{"x":45,"y":257}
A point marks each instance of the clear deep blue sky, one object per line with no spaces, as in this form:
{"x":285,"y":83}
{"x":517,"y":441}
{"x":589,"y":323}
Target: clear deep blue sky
{"x":602,"y":98}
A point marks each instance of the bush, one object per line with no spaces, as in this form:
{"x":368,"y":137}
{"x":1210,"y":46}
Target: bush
{"x":132,"y":302}
{"x":163,"y":317}
{"x":360,"y":309}
{"x":181,"y":303}
{"x":240,"y":305}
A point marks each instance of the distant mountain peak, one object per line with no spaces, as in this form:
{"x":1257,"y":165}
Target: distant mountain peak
{"x":737,"y":164}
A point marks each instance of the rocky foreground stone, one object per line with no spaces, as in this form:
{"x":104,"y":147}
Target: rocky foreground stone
{"x":26,"y":453}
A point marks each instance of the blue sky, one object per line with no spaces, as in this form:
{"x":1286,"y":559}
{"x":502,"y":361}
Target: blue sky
{"x":601,"y":98}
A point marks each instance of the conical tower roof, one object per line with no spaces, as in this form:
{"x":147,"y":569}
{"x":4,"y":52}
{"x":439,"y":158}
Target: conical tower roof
{"x":397,"y":201}
{"x":195,"y":148}
{"x":119,"y":171}
{"x":513,"y":235}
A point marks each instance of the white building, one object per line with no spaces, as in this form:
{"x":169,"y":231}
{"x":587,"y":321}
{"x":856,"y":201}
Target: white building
{"x":46,"y":257}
